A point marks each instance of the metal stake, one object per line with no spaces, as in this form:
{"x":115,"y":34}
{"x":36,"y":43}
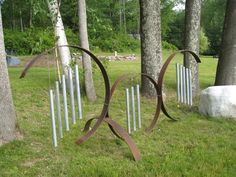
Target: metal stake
{"x":78,"y":91}
{"x":178,"y":81}
{"x":191,"y":90}
{"x":54,"y":134}
{"x":181,"y":85}
{"x":133,"y":108}
{"x":138,"y":100}
{"x":128,"y":110}
{"x":72,"y":96}
{"x":65,"y":102}
{"x":58,"y":107}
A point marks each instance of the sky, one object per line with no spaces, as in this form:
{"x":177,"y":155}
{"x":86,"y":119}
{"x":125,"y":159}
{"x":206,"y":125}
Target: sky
{"x":179,"y":6}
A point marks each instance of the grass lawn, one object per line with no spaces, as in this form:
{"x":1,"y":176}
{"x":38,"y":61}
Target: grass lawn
{"x":193,"y":146}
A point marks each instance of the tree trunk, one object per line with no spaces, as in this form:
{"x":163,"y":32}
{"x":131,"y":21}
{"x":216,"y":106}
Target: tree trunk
{"x":59,"y":31}
{"x":31,"y":14}
{"x":124,"y":16}
{"x":151,"y":57}
{"x":7,"y":113}
{"x":88,"y":78}
{"x":21,"y":22}
{"x":192,"y":32}
{"x":226,"y":69}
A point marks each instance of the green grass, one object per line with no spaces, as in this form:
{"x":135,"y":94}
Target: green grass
{"x":193,"y":146}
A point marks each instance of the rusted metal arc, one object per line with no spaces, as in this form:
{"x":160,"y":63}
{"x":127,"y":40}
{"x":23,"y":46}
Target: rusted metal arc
{"x":160,"y":82}
{"x":106,"y":81}
{"x":133,"y":148}
{"x":88,"y":123}
{"x":30,"y":64}
{"x":159,"y":103}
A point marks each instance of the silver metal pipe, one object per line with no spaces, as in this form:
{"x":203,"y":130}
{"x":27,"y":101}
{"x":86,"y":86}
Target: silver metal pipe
{"x":133,"y":108}
{"x":58,"y":108}
{"x":181,"y":85}
{"x":178,"y":81}
{"x":138,"y":105}
{"x":128,"y":110}
{"x":65,"y":102}
{"x":187,"y":86}
{"x":54,"y":133}
{"x":78,"y":91}
{"x":72,"y":96}
{"x":191,"y":89}
{"x":184,"y":85}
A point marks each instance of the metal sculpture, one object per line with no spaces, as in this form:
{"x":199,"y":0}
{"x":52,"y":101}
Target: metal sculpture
{"x":104,"y":115}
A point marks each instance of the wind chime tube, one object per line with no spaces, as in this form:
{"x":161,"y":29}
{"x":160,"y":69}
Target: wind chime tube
{"x":58,"y":108}
{"x":72,"y":96}
{"x":54,"y":134}
{"x":138,"y":100}
{"x":133,"y":108}
{"x":184,"y":86}
{"x":65,"y":102}
{"x":191,"y":90}
{"x":178,"y":81}
{"x":187,"y":85}
{"x":181,"y":84}
{"x":78,"y":91}
{"x":128,"y":110}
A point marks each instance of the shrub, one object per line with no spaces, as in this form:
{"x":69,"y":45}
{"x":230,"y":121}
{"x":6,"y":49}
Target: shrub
{"x":168,"y":46}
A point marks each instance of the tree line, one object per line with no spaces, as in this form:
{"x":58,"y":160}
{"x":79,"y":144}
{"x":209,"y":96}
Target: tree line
{"x":109,"y":21}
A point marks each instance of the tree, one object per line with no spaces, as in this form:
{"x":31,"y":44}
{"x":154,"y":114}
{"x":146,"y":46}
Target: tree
{"x":88,"y":77}
{"x":59,"y":31}
{"x":192,"y":33}
{"x":226,"y":69}
{"x":151,"y":59}
{"x":7,"y":113}
{"x":212,"y":20}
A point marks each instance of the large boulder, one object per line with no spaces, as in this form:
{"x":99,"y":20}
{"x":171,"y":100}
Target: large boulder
{"x":218,"y":101}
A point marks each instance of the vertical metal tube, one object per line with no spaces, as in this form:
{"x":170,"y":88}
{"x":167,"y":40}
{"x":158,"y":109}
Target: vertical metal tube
{"x":178,"y":81}
{"x":72,"y":96}
{"x":58,"y":108}
{"x":181,"y":84}
{"x":54,"y":134}
{"x":184,"y":85}
{"x":191,"y":90}
{"x":128,"y":110}
{"x":65,"y":102}
{"x":138,"y":100}
{"x":133,"y":108}
{"x":78,"y":91}
{"x":187,"y":85}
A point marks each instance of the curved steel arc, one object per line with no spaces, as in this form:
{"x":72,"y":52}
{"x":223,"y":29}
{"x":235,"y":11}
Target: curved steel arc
{"x":125,"y":136}
{"x":160,"y":82}
{"x":106,"y":81}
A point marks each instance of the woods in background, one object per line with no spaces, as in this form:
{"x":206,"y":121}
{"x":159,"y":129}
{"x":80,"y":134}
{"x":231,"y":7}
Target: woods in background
{"x":113,"y":25}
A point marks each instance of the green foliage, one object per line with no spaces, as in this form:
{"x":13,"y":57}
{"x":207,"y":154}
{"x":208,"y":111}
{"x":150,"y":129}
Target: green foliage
{"x":204,"y":44}
{"x":33,"y":40}
{"x":212,"y":21}
{"x":116,"y":42}
{"x":168,"y":46}
{"x":175,"y":35}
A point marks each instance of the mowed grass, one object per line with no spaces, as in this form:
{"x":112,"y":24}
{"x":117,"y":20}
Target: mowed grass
{"x":194,"y":145}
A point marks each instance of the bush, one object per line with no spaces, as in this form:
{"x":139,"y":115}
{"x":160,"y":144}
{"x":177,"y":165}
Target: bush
{"x":204,"y":43}
{"x":116,"y":42}
{"x":34,"y":40}
{"x":31,"y":41}
{"x":168,"y":46}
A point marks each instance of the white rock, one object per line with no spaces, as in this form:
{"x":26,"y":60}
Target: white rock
{"x":218,"y":101}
